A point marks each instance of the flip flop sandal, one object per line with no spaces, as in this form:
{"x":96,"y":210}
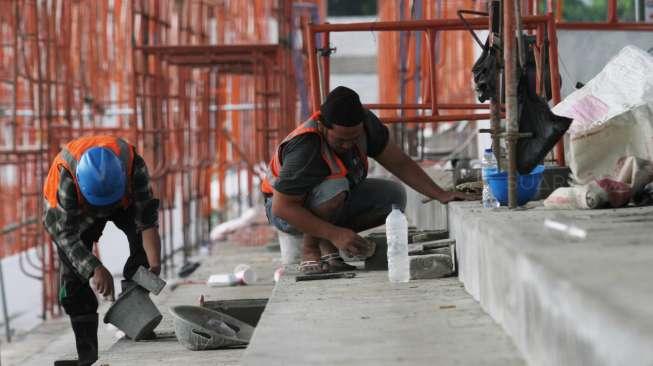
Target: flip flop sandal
{"x":335,"y":263}
{"x":312,"y":267}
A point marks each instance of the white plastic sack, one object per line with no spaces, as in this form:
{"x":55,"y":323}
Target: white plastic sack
{"x":595,"y":153}
{"x":597,"y":194}
{"x":566,"y":198}
{"x":613,"y":116}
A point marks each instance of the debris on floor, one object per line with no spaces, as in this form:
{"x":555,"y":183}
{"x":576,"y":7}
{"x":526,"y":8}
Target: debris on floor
{"x":430,"y":253}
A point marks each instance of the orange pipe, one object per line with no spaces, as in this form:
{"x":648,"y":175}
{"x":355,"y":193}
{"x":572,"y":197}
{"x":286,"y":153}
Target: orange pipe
{"x":555,"y":81}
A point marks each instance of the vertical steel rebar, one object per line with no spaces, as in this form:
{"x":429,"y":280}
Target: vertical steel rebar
{"x":68,"y":74}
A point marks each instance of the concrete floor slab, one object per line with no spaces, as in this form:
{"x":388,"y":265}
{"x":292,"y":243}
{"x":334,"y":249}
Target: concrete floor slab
{"x":369,"y":321}
{"x":564,"y":301}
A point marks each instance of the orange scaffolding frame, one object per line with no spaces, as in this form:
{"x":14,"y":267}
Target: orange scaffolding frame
{"x":432,"y":110}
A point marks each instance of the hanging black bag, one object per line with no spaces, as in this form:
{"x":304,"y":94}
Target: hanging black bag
{"x":546,"y":128}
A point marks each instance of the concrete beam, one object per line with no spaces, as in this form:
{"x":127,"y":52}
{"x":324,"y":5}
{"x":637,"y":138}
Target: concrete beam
{"x":563,"y":301}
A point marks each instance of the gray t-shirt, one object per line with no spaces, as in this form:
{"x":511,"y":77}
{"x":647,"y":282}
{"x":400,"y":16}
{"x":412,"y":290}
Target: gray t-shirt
{"x":302,"y":166}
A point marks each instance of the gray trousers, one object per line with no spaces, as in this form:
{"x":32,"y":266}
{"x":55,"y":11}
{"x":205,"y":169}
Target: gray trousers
{"x":371,"y":197}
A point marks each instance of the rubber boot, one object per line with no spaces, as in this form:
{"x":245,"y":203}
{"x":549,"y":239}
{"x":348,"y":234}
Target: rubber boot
{"x":85,"y":328}
{"x":66,"y":363}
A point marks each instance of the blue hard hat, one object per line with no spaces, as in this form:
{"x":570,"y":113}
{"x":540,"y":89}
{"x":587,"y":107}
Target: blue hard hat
{"x":101,"y":176}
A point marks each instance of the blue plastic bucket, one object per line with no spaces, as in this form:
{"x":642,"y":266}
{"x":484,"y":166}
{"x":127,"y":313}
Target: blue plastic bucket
{"x":527,"y":185}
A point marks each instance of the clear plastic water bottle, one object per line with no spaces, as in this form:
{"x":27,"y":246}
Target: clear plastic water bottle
{"x":396,"y":229}
{"x":488,"y":166}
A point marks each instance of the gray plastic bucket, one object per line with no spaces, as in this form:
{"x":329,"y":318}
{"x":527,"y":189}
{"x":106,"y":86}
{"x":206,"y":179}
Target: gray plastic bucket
{"x":134,"y":313}
{"x":199,"y":328}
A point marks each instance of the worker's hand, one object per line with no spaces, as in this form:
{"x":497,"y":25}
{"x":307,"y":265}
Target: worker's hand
{"x":457,"y":196}
{"x":155,"y":268}
{"x":350,"y":242}
{"x":449,"y":196}
{"x":102,"y":280}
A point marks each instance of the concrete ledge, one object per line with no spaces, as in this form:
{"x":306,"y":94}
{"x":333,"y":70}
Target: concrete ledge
{"x":368,"y":321}
{"x":563,"y":301}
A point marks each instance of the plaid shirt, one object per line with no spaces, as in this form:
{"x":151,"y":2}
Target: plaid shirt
{"x":68,"y":220}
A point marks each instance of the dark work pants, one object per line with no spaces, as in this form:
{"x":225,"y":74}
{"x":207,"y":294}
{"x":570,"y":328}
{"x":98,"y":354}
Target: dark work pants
{"x":367,"y":205}
{"x":76,"y":296}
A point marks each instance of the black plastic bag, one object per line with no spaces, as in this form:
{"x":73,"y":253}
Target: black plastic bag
{"x":485,"y":70}
{"x":536,"y":117}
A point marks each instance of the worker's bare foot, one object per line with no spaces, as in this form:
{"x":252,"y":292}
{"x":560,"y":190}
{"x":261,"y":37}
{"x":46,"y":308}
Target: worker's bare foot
{"x":311,"y":263}
{"x":311,"y":251}
{"x":335,"y":263}
{"x":313,"y":267}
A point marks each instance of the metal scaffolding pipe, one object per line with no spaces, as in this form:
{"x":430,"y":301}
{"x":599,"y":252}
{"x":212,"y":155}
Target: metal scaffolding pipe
{"x":555,"y":83}
{"x":617,"y":26}
{"x":313,"y":72}
{"x":495,"y":99}
{"x":438,"y":118}
{"x":512,"y":114}
{"x":480,"y":23}
{"x":425,"y":106}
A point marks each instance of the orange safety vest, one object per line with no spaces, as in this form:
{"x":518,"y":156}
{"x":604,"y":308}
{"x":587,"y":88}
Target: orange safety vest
{"x":338,"y":169}
{"x":69,"y":157}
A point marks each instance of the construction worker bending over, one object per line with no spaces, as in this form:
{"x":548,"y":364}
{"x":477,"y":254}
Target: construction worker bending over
{"x":91,"y":181}
{"x":317,"y":185}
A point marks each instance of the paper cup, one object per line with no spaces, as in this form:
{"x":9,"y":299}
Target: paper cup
{"x":244,"y":274}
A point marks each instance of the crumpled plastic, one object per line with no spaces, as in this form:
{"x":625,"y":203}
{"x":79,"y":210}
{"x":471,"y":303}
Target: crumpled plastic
{"x":485,"y":70}
{"x":632,"y":180}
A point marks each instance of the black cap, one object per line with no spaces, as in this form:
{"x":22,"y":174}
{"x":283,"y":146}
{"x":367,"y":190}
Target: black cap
{"x":342,"y":107}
